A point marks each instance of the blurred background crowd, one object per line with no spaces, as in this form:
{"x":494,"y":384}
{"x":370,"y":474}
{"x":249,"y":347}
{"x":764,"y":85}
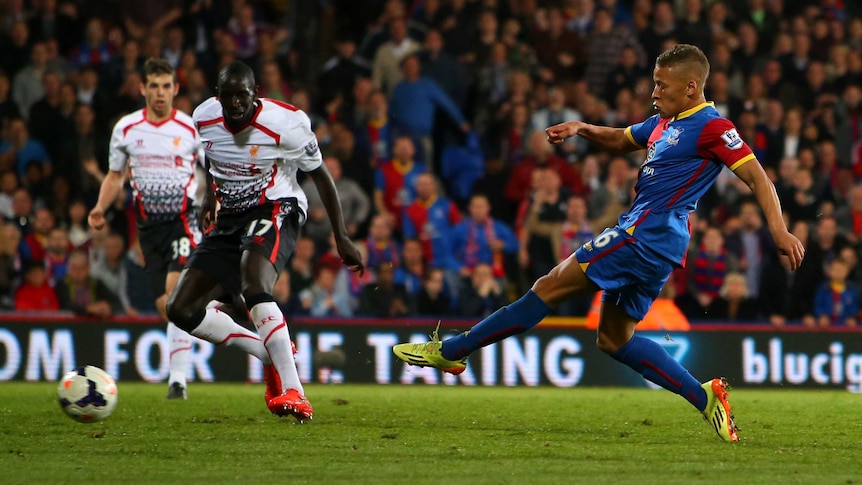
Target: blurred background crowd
{"x":431,"y":116}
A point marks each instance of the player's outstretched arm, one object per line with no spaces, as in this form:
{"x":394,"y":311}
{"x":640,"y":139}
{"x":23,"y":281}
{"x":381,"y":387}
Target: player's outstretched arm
{"x":755,"y":177}
{"x":329,"y":195}
{"x":605,"y":138}
{"x":110,"y":189}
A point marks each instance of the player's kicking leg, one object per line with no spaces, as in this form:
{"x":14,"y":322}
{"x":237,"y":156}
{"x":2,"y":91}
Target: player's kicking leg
{"x":259,"y":275}
{"x":188,"y":307}
{"x":616,"y":325}
{"x":564,"y":281}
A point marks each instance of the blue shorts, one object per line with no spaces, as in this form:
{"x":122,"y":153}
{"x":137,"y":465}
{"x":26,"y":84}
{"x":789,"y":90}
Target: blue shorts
{"x":631,"y":275}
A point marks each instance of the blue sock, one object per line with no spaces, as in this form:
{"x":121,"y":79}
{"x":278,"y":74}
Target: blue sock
{"x":656,"y":365}
{"x":512,"y":319}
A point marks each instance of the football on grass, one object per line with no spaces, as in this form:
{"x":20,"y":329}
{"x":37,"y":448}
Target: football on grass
{"x":87,"y":394}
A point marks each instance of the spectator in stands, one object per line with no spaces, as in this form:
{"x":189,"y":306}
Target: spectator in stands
{"x":541,"y":155}
{"x":19,"y":150}
{"x":382,"y":248}
{"x":849,"y":217}
{"x":431,"y":218}
{"x":95,"y":49}
{"x":11,"y":263}
{"x":288,"y":301}
{"x":440,"y":66}
{"x":16,"y":50}
{"x":327,"y":300}
{"x":415,"y":103}
{"x":272,"y":84}
{"x":413,"y":267}
{"x":540,"y":218}
{"x":196,"y":88}
{"x":36,"y":292}
{"x":561,"y":52}
{"x":374,"y":131}
{"x":137,"y":292}
{"x":22,"y":212}
{"x":747,"y":246}
{"x":385,"y":298}
{"x":491,"y":86}
{"x":90,"y":91}
{"x":37,"y":239}
{"x":576,"y":229}
{"x":836,"y":301}
{"x":153,"y":16}
{"x":480,"y":239}
{"x":128,"y":60}
{"x":555,"y":113}
{"x":57,"y":251}
{"x":707,"y":266}
{"x":8,"y":184}
{"x":385,"y":70}
{"x":339,"y":74}
{"x":625,"y":74}
{"x":733,"y":303}
{"x":173,"y":49}
{"x":604,"y":45}
{"x":47,"y":121}
{"x":83,"y":294}
{"x":482,"y":294}
{"x":395,"y":181}
{"x":27,"y":85}
{"x":355,"y":205}
{"x":8,"y":107}
{"x":110,"y":269}
{"x":432,"y":301}
{"x":77,"y":227}
{"x":803,"y":199}
{"x":302,"y":265}
{"x":662,"y":29}
{"x":608,"y":201}
{"x":516,"y":130}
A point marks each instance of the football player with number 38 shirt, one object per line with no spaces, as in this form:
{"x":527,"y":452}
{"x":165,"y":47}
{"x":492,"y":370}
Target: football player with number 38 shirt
{"x":162,"y":150}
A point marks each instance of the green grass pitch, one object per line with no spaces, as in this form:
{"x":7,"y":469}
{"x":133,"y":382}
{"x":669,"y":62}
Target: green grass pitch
{"x":439,"y":435}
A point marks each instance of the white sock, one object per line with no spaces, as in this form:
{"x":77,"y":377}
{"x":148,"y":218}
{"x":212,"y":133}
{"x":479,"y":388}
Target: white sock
{"x":272,"y":328}
{"x":179,"y":346}
{"x":219,"y":328}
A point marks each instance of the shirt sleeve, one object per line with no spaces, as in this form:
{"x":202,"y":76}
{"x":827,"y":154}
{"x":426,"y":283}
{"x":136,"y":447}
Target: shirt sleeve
{"x":300,"y":143}
{"x":117,"y":154}
{"x":720,"y":142}
{"x":639,"y":132}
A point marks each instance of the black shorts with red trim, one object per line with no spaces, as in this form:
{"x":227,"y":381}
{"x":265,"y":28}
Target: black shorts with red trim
{"x":270,"y":229}
{"x":167,"y":247}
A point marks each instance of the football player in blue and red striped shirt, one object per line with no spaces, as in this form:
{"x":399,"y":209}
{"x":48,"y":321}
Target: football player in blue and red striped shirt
{"x":688,"y":144}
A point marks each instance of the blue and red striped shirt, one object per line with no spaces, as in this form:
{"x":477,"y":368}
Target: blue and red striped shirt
{"x":685,"y":154}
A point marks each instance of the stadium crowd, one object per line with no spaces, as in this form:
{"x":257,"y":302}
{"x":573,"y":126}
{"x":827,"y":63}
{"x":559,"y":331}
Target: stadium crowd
{"x":431,"y":116}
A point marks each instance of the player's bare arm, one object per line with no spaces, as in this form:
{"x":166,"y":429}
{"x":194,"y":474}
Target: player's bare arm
{"x":110,"y":189}
{"x":346,"y":249}
{"x":605,"y":138}
{"x":755,"y":177}
{"x":208,"y":200}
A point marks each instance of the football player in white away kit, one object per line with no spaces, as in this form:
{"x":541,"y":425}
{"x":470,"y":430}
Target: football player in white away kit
{"x":162,"y":149}
{"x":254,"y":146}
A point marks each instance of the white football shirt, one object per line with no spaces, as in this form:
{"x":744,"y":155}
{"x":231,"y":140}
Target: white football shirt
{"x":258,"y":162}
{"x":161,"y":158}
